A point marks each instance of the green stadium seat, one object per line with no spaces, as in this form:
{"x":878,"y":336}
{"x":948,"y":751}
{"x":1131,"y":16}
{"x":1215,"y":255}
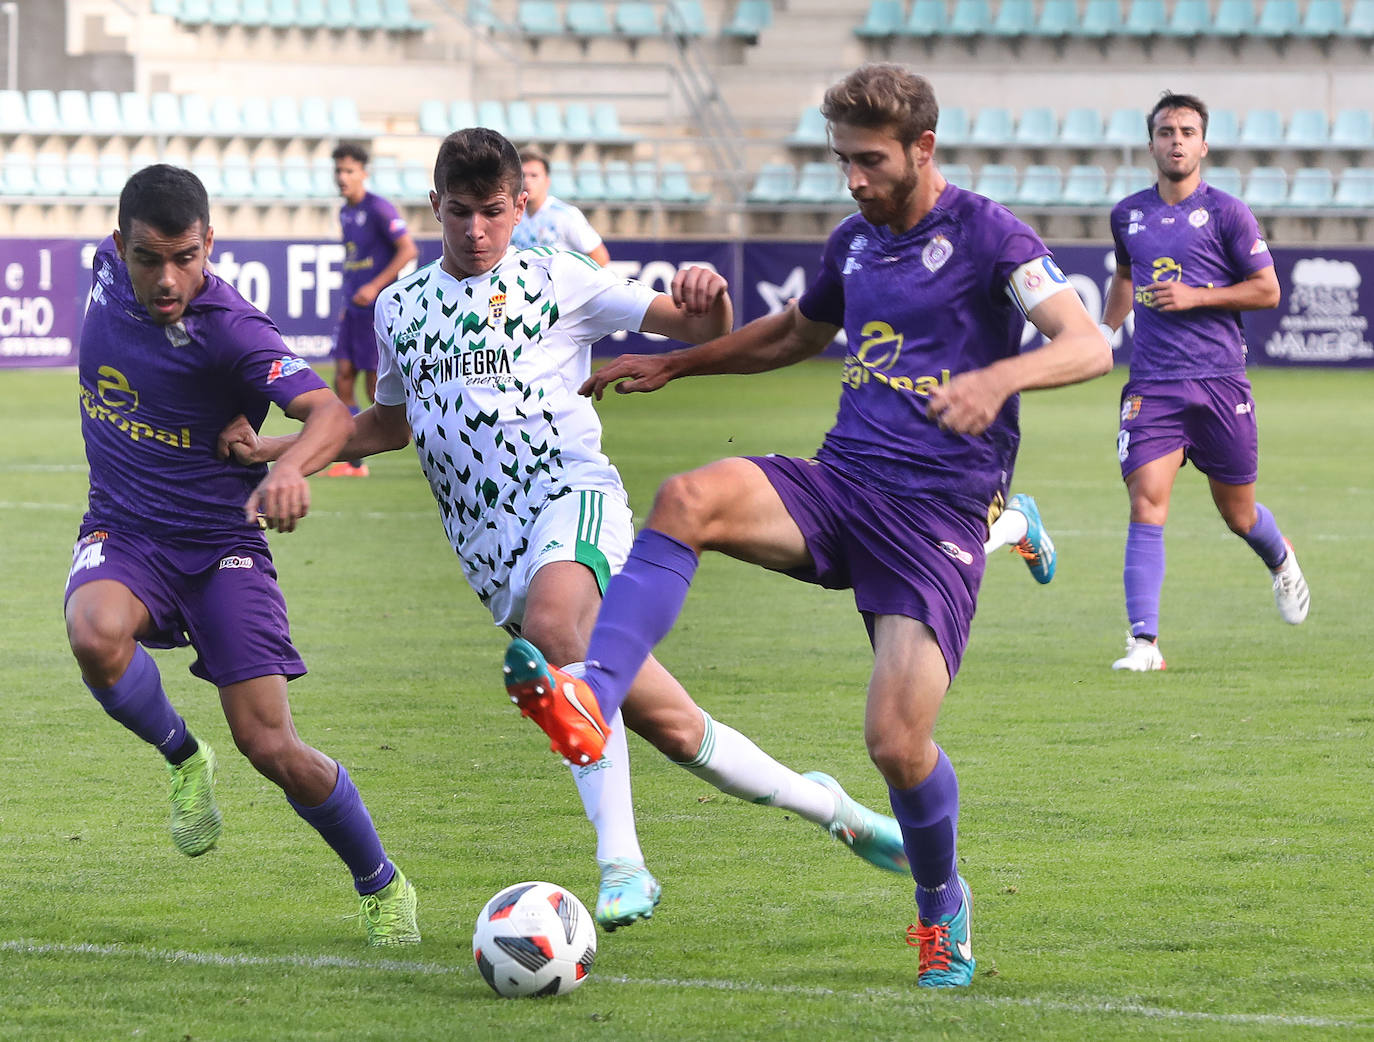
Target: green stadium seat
{"x":751,"y":17}
{"x":992,"y":127}
{"x":775,"y":183}
{"x":1224,"y":178}
{"x":577,"y":118}
{"x":1352,"y":128}
{"x":1015,"y":18}
{"x":43,"y":114}
{"x":1101,"y":19}
{"x":548,"y":121}
{"x":883,"y":20}
{"x":1266,"y":187}
{"x":1086,"y":186}
{"x":1082,"y":128}
{"x":14,"y":112}
{"x":997,"y":181}
{"x":1278,"y":19}
{"x":1361,"y":23}
{"x":1313,"y":188}
{"x":1041,"y":185}
{"x":1262,"y":129}
{"x":492,"y":115}
{"x":1322,"y":20}
{"x":1234,"y":19}
{"x":1058,"y":19}
{"x":957,"y":174}
{"x":1038,"y":127}
{"x":344,"y":118}
{"x":1223,"y":128}
{"x":953,"y":127}
{"x":520,"y":121}
{"x":1355,"y":188}
{"x":1189,"y":18}
{"x":927,"y":18}
{"x":821,"y":183}
{"x":637,"y":20}
{"x":339,"y":15}
{"x":1145,"y":18}
{"x":111,"y":175}
{"x":1126,"y":129}
{"x":810,"y":129}
{"x":685,"y":18}
{"x":19,"y":177}
{"x":587,"y":18}
{"x":970,"y":18}
{"x":1308,"y":128}
{"x":538,"y":18}
{"x":74,"y":110}
{"x":1127,"y":180}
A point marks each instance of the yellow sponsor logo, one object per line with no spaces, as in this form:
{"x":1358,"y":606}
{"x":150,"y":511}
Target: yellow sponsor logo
{"x":1164,"y":269}
{"x":113,"y":400}
{"x":879,"y":351}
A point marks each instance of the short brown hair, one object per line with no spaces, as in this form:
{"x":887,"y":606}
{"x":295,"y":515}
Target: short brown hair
{"x":884,"y":95}
{"x":478,"y":161}
{"x":1169,"y":101}
{"x":534,"y":154}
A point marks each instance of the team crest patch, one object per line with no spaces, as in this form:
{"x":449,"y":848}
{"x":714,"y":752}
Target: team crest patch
{"x":496,"y":309}
{"x":1199,"y":217}
{"x":937,"y":251}
{"x":177,"y":335}
{"x":286,"y":365}
{"x":1130,"y":408}
{"x":955,"y":551}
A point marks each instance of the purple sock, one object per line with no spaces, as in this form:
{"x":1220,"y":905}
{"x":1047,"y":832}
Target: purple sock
{"x":1143,"y":577}
{"x":929,"y":816}
{"x":1266,"y":539}
{"x":642,"y":603}
{"x":138,"y":702}
{"x":347,"y":827}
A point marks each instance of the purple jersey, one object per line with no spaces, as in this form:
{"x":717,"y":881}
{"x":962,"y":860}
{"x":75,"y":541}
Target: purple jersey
{"x":1208,"y":239}
{"x":918,"y":308}
{"x":154,"y":399}
{"x":370,"y":231}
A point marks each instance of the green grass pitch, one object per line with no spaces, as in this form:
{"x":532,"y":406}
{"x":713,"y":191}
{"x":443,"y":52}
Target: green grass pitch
{"x":1178,"y":855}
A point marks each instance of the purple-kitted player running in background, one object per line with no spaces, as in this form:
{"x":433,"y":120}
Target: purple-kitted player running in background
{"x":171,"y":551}
{"x":377,"y":247}
{"x":932,"y":285}
{"x":1189,"y":259}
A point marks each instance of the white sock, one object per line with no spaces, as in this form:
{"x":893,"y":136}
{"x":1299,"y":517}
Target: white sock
{"x":734,"y":764}
{"x":1009,"y":529}
{"x":605,"y":790}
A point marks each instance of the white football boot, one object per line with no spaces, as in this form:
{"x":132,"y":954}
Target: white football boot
{"x":1142,"y":656}
{"x":1290,"y":589}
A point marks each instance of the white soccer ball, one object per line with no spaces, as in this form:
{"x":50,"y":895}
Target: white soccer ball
{"x":534,"y":939}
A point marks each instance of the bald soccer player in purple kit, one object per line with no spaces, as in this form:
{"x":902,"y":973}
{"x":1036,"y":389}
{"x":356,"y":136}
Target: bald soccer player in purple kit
{"x":932,"y":285}
{"x":1189,"y":259}
{"x":171,"y":551}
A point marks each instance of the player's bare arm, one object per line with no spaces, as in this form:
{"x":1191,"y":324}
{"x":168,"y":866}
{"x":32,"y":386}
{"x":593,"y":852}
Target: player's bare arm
{"x":770,"y":342}
{"x":283,"y":497}
{"x":1075,"y":350}
{"x":1120,"y":298}
{"x":406,"y":251}
{"x":380,"y":428}
{"x":697,"y":307}
{"x":1255,"y":293}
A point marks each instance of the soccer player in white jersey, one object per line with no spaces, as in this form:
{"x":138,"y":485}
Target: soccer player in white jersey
{"x":480,"y":358}
{"x":548,"y":220}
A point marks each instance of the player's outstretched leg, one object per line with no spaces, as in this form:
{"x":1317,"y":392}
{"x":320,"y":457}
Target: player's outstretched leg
{"x":196,"y":821}
{"x":1142,"y":656}
{"x":1290,"y":589}
{"x":628,"y":892}
{"x":874,"y":837}
{"x":562,"y":705}
{"x":390,"y":913}
{"x":1036,"y":547}
{"x":946,"y":946}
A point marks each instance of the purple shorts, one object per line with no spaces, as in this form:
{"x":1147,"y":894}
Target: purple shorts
{"x":355,"y":340}
{"x":222,"y":600}
{"x":1211,"y":420}
{"x":914,"y":557}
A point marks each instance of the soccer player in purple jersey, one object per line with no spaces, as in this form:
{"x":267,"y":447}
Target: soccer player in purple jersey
{"x":932,"y":285}
{"x":171,"y":551}
{"x":1189,"y":259}
{"x":377,"y":246}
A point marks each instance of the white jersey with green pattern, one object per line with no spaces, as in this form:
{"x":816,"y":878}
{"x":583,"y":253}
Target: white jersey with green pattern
{"x":488,"y":369}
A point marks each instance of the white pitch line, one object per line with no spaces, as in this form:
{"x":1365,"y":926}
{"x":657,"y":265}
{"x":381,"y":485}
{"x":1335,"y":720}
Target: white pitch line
{"x":338,"y":962}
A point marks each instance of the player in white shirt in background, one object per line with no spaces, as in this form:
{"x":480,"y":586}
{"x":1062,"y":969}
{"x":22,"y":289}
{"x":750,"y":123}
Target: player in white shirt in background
{"x":548,"y":220}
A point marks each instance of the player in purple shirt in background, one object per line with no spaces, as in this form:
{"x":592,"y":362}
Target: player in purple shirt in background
{"x":376,"y":247}
{"x":1189,"y":259}
{"x":171,"y":551}
{"x":932,"y":285}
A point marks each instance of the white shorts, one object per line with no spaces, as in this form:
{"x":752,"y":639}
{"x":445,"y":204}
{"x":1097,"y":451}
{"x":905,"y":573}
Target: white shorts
{"x":591,"y":527}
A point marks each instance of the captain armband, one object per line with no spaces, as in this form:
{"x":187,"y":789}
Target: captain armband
{"x":1035,"y":282}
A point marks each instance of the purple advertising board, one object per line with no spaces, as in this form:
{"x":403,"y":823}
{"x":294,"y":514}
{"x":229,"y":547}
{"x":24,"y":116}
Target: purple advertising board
{"x":1323,"y":319}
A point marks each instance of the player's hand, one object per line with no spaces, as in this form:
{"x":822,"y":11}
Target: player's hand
{"x":696,"y":289}
{"x":968,"y":403}
{"x":366,"y":294}
{"x":239,"y":442}
{"x":639,"y":372}
{"x":1174,"y":296}
{"x":280,"y":500}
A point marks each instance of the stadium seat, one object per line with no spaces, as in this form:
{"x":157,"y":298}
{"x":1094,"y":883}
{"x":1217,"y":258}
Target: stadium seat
{"x":1262,"y":129}
{"x":284,"y":116}
{"x":416,"y":183}
{"x":397,"y":17}
{"x":1355,"y":188}
{"x":111,"y":175}
{"x":281,"y":14}
{"x":562,"y":181}
{"x":50,"y":174}
{"x":268,"y":182}
{"x":14,"y":112}
{"x":311,"y":14}
{"x":1126,"y":129}
{"x":164,"y":111}
{"x":591,"y":181}
{"x":492,"y":115}
{"x":1267,"y":186}
{"x":606,"y":123}
{"x":211,"y":175}
{"x":462,"y":113}
{"x":997,"y":181}
{"x":1225,"y":178}
{"x":237,"y":176}
{"x":1145,"y":18}
{"x":548,"y":122}
{"x":384,"y":176}
{"x":1353,"y":128}
{"x":646,"y":179}
{"x":992,"y":127}
{"x":775,"y":183}
{"x":1322,"y":20}
{"x":19,"y":178}
{"x":106,"y":115}
{"x":970,"y":18}
{"x":1082,"y":128}
{"x":927,"y":18}
{"x":821,"y":183}
{"x":195,"y":115}
{"x":1307,"y":128}
{"x":1127,"y":180}
{"x":1189,"y":18}
{"x":1313,"y":188}
{"x":225,"y":115}
{"x":957,"y":174}
{"x":953,"y":127}
{"x":620,"y":181}
{"x":751,"y":17}
{"x":1086,"y":186}
{"x":83,"y":176}
{"x":368,"y":15}
{"x":74,"y":112}
{"x":224,"y":13}
{"x":339,"y":15}
{"x":538,"y":18}
{"x":167,"y":8}
{"x":1015,"y":18}
{"x":344,"y":118}
{"x":883,"y":20}
{"x":255,"y":14}
{"x":297,"y":181}
{"x":587,"y":18}
{"x":322,"y":184}
{"x":675,"y":185}
{"x":1234,"y":19}
{"x":1278,"y":18}
{"x":194,"y":13}
{"x":1101,"y":19}
{"x":1223,"y":128}
{"x":1041,"y":185}
{"x":520,"y":122}
{"x":1058,"y":19}
{"x":315,"y":120}
{"x":43,"y":115}
{"x":685,"y":18}
{"x":636,"y":19}
{"x":1361,"y":23}
{"x":577,"y":118}
{"x":255,"y":117}
{"x":134,"y":115}
{"x":1037,"y":128}
{"x":810,"y":129}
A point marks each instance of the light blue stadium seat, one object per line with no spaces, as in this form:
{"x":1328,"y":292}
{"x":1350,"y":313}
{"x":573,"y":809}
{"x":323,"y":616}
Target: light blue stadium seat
{"x":1190,"y":18}
{"x":416,"y":182}
{"x":636,"y":19}
{"x":268,"y":180}
{"x":14,"y":112}
{"x":168,"y":8}
{"x":106,"y":115}
{"x":237,"y":176}
{"x":297,"y":180}
{"x":577,"y":119}
{"x":548,"y":121}
{"x":255,"y":116}
{"x":997,"y":181}
{"x":344,"y":118}
{"x":1355,"y":188}
{"x":960,"y":174}
{"x":927,"y":18}
{"x":520,"y":122}
{"x":1308,"y":128}
{"x":50,"y":173}
{"x":646,"y":179}
{"x":821,"y":183}
{"x":1353,"y":128}
{"x":751,"y":17}
{"x":591,"y":182}
{"x":810,"y":130}
{"x":1278,"y":18}
{"x":1225,"y":178}
{"x":285,"y":116}
{"x":1323,"y":19}
{"x":1082,"y":128}
{"x":311,"y":14}
{"x":538,"y":18}
{"x":1145,"y":18}
{"x":462,"y":113}
{"x":195,"y":115}
{"x":384,"y":176}
{"x":398,"y":17}
{"x":368,"y":15}
{"x":685,"y":18}
{"x":224,"y":13}
{"x":970,"y":18}
{"x":225,"y":115}
{"x":587,"y":18}
{"x":993,"y":126}
{"x":255,"y":14}
{"x":282,"y":14}
{"x":43,"y":114}
{"x":492,"y":115}
{"x":194,"y":13}
{"x":1267,"y":186}
{"x":1313,"y":188}
{"x":1101,"y":18}
{"x":315,"y":121}
{"x":1058,"y":18}
{"x":883,"y":20}
{"x":1015,"y":18}
{"x":1041,"y":185}
{"x":322,"y":184}
{"x":1263,"y":128}
{"x":83,"y":176}
{"x":164,"y":110}
{"x":339,"y":14}
{"x":111,"y":175}
{"x":74,"y":111}
{"x":1038,"y":127}
{"x":953,"y":127}
{"x":620,"y":181}
{"x":19,"y":177}
{"x":1361,"y":23}
{"x":1086,"y":186}
{"x":675,"y":185}
{"x":774,"y":184}
{"x":135,"y":117}
{"x":1234,"y":19}
{"x":1223,"y":128}
{"x":1126,"y":129}
{"x":1127,"y":180}
{"x":606,"y":123}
